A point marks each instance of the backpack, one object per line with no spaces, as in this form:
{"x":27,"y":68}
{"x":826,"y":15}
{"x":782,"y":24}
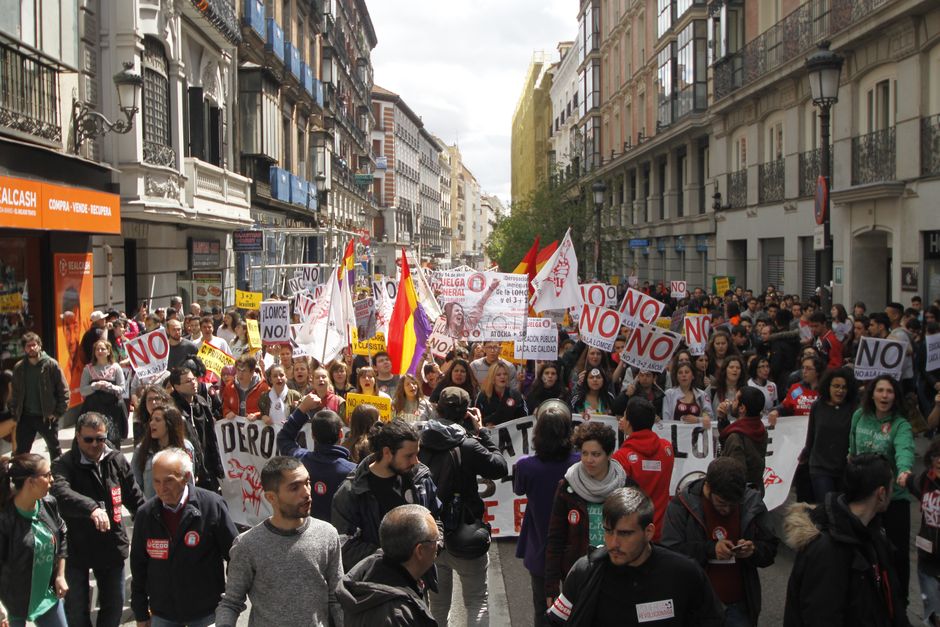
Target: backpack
{"x":465,"y":535}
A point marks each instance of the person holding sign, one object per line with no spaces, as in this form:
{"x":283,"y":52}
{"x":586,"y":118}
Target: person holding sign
{"x":684,"y":402}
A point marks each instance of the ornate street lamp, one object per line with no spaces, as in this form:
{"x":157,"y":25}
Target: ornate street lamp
{"x":599,"y":189}
{"x":87,"y":123}
{"x":824,"y":68}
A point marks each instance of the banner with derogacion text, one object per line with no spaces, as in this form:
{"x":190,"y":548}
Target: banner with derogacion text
{"x":74,"y":296}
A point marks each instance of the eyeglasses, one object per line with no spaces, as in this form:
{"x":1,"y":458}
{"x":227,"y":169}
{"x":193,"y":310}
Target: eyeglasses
{"x":91,"y":439}
{"x":437,"y":541}
{"x":838,"y":386}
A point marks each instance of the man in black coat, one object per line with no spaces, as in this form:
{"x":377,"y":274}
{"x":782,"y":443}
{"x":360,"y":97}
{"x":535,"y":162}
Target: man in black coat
{"x":200,"y":427}
{"x":92,"y":482}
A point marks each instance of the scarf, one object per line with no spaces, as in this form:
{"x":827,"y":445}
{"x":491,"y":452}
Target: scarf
{"x":596,"y":490}
{"x":751,"y":428}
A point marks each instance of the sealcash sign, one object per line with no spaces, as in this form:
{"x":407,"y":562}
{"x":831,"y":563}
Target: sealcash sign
{"x":650,"y":348}
{"x":637,"y":308}
{"x":876,"y":357}
{"x":275,"y":322}
{"x":599,"y":326}
{"x":696,"y":328}
{"x":148,"y":353}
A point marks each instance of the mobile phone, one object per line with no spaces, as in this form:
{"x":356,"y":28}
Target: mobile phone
{"x":737,"y":548}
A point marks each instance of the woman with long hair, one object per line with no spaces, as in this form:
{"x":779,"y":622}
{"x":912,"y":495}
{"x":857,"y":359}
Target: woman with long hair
{"x":591,"y":358}
{"x":685,"y":402}
{"x":575,"y":523}
{"x":728,"y":380}
{"x":759,"y":377}
{"x":280,"y":401}
{"x":700,"y":368}
{"x":165,"y":429}
{"x":117,"y":337}
{"x":339,"y":377}
{"x":497,"y":401}
{"x":718,"y":348}
{"x":827,"y":434}
{"x":409,"y":403}
{"x":239,"y":343}
{"x":881,"y":426}
{"x":801,"y":395}
{"x":227,"y":330}
{"x":592,"y":395}
{"x":148,"y":397}
{"x":102,"y":387}
{"x":458,"y":375}
{"x":547,"y":385}
{"x":357,"y":440}
{"x":33,"y":541}
{"x":536,"y":477}
{"x":365,"y":383}
{"x":300,"y":377}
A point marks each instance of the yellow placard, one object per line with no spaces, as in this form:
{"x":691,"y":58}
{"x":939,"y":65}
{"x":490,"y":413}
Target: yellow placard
{"x":664,"y":323}
{"x":507,"y":350}
{"x":368,"y":347}
{"x":248,"y":300}
{"x":722,"y":285}
{"x":11,"y":303}
{"x":254,"y":334}
{"x":615,"y":279}
{"x":384,"y":405}
{"x":214,"y":359}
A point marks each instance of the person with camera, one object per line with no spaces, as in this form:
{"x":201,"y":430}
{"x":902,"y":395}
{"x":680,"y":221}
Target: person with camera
{"x":458,"y":451}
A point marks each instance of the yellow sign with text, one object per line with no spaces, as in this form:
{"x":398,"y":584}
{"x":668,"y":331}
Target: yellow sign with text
{"x":507,"y":350}
{"x":248,"y":300}
{"x":254,"y":334}
{"x":722,"y":285}
{"x":214,"y":359}
{"x":384,"y":405}
{"x":368,"y":347}
{"x":663,"y":323}
{"x":11,"y":302}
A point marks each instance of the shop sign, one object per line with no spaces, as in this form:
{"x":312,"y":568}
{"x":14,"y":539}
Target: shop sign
{"x":636,"y":243}
{"x":207,"y":289}
{"x":248,"y":241}
{"x":204,"y":253}
{"x":27,"y":204}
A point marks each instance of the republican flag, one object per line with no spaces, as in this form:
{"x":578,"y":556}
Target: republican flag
{"x":408,"y":328}
{"x":545,"y":254}
{"x":556,"y":284}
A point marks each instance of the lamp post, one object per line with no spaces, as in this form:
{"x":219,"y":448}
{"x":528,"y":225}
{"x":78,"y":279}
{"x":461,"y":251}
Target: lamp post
{"x":599,"y":189}
{"x":824,"y":68}
{"x":87,"y":123}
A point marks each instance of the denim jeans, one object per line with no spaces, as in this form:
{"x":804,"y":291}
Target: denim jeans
{"x":110,"y":596}
{"x":736,"y":615}
{"x":823,"y":485}
{"x":26,"y":429}
{"x":205,"y":621}
{"x":473,"y":583}
{"x":55,"y":617}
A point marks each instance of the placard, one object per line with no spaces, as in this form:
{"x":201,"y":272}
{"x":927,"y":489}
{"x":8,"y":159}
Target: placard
{"x":481,"y":306}
{"x":637,"y":308}
{"x":440,"y":342}
{"x":541,"y":341}
{"x":722,"y":285}
{"x":214,"y":359}
{"x":364,"y":309}
{"x":384,"y":405}
{"x":650,"y":348}
{"x":254,"y":334}
{"x":11,"y":302}
{"x":148,"y":353}
{"x":248,"y":300}
{"x":599,"y":326}
{"x":678,"y":289}
{"x":696,"y":328}
{"x":275,"y":322}
{"x":877,"y":356}
{"x":507,"y":350}
{"x":933,"y":352}
{"x":368,"y":347}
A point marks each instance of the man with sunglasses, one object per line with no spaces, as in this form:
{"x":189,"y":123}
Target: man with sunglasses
{"x":92,"y":483}
{"x":388,"y":587}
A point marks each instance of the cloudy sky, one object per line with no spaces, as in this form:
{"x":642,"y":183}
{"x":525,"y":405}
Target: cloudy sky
{"x":459,"y":64}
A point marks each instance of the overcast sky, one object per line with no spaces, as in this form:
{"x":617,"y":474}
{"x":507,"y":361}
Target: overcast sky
{"x":459,"y":64}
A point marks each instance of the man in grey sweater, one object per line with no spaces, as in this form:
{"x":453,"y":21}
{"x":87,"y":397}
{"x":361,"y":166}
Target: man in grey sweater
{"x":290,"y":564}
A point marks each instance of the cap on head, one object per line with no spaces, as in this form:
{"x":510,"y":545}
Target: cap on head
{"x":98,"y":315}
{"x":453,"y":397}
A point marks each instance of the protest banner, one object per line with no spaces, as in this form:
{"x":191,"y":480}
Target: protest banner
{"x":650,"y":348}
{"x":637,"y":308}
{"x":696,"y":328}
{"x":364,"y":310}
{"x":599,"y":326}
{"x":384,"y":405}
{"x":722,"y":284}
{"x":440,"y":342}
{"x":310,"y":277}
{"x":248,"y":300}
{"x":148,"y":353}
{"x":678,"y":289}
{"x":367,"y":347}
{"x":480,"y":306}
{"x":295,"y":286}
{"x":507,"y":350}
{"x":254,"y":334}
{"x":595,"y":294}
{"x":11,"y":302}
{"x":663,"y":323}
{"x":556,"y":284}
{"x":877,"y":356}
{"x":541,"y":341}
{"x":384,"y":291}
{"x":275,"y":322}
{"x":244,"y":448}
{"x":933,"y":352}
{"x":677,"y":316}
{"x":214,"y":359}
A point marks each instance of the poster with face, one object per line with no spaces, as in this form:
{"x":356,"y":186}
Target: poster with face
{"x":480,"y":306}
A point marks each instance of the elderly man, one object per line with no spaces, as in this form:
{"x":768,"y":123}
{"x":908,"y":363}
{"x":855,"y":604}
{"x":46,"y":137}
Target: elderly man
{"x":182,"y":536}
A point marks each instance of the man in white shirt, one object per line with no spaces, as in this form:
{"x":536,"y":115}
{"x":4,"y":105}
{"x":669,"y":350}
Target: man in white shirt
{"x":206,"y":326}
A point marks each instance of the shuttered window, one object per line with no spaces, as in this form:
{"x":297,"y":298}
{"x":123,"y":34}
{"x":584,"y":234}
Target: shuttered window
{"x":807,"y":268}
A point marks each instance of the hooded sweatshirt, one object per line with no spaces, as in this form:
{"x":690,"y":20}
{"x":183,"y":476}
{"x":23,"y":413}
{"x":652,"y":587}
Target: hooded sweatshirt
{"x":746,"y":440}
{"x":242,"y":401}
{"x":378,"y":593}
{"x":648,"y":460}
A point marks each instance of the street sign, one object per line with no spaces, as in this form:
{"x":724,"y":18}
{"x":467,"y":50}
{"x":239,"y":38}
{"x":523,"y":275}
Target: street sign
{"x":819,"y":237}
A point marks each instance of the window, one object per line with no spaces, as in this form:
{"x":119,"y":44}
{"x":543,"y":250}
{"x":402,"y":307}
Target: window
{"x":774,"y":141}
{"x":156,"y":98}
{"x":50,"y":25}
{"x":740,"y":153}
{"x":665,"y":85}
{"x":691,"y":69}
{"x":664,"y":19}
{"x":880,"y":114}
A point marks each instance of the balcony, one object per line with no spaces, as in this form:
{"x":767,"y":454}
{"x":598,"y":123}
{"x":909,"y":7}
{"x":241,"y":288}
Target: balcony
{"x":737,"y":189}
{"x":873,"y":157}
{"x":792,"y":38}
{"x":254,"y":16}
{"x":156,"y":153}
{"x":292,"y":61}
{"x":770,"y":180}
{"x":275,"y":39}
{"x":217,"y":193}
{"x":220,"y":14}
{"x":809,"y":171}
{"x":29,"y":95}
{"x":930,"y":145}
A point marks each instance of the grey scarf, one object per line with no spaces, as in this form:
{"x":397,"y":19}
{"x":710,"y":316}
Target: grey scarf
{"x":596,"y":490}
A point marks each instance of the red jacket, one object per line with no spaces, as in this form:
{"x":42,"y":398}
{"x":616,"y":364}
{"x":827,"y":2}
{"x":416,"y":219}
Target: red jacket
{"x":648,"y":460}
{"x":230,"y":400}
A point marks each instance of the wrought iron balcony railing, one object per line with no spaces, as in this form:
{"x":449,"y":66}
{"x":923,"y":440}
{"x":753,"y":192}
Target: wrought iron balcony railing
{"x":873,"y":157}
{"x":770,"y":181}
{"x":737,"y":189}
{"x":809,"y":171}
{"x":930,"y":145}
{"x":29,"y":95}
{"x":156,"y":153}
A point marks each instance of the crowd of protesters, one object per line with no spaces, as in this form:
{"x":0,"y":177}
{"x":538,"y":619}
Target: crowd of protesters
{"x":373,"y":519}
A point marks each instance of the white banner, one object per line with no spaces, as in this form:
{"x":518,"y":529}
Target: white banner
{"x":599,"y":326}
{"x":678,"y":289}
{"x":876,"y":357}
{"x":365,"y":318}
{"x":310,"y":278}
{"x":933,"y":352}
{"x":650,"y":348}
{"x":599,"y":294}
{"x":275,"y":322}
{"x":696,"y":328}
{"x":541,"y":341}
{"x":637,"y":308}
{"x":385,"y":291}
{"x":148,"y":353}
{"x":480,"y":306}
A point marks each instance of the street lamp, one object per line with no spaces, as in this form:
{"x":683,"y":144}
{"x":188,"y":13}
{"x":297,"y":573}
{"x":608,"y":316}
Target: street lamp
{"x":88,"y":123}
{"x":824,"y":68}
{"x":599,"y":189}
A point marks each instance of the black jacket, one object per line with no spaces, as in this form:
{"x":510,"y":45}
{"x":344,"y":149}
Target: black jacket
{"x":497,"y":410}
{"x":80,"y":488}
{"x":664,"y":576}
{"x":180,"y":578}
{"x":16,"y":553}
{"x":479,"y":457}
{"x":376,"y":593}
{"x":843,"y":573}
{"x":200,"y":430}
{"x":356,"y":514}
{"x":684,"y":531}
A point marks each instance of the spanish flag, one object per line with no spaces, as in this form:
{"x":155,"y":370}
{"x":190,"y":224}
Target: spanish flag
{"x":347,"y":269}
{"x":527,"y":265}
{"x":545,"y":254}
{"x":408,"y":328}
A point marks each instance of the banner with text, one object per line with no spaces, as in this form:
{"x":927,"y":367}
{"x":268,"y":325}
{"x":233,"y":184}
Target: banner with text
{"x":650,"y":348}
{"x":148,"y":353}
{"x":541,"y":341}
{"x":696,"y":328}
{"x":636,"y":308}
{"x":933,"y":352}
{"x":275,"y":322}
{"x":214,"y":358}
{"x":480,"y":306}
{"x":384,"y":405}
{"x":599,"y":326}
{"x":877,"y":356}
{"x":248,"y":300}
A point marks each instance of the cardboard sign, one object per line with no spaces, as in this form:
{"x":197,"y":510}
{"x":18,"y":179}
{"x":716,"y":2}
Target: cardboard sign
{"x":440,"y":342}
{"x":678,"y":289}
{"x":254,"y":334}
{"x":650,"y":348}
{"x":599,"y":294}
{"x":541,"y":341}
{"x":214,"y":359}
{"x":365,"y":317}
{"x":933,"y":352}
{"x":876,"y":357}
{"x":722,"y":285}
{"x":696,"y":328}
{"x":275,"y":322}
{"x":637,"y":308}
{"x":384,"y":405}
{"x":247,"y":300}
{"x":664,"y":323}
{"x":11,"y":302}
{"x":367,"y":347}
{"x":599,"y":326}
{"x":148,"y":353}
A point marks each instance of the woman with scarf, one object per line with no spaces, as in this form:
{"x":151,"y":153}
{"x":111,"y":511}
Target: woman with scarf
{"x":745,"y":439}
{"x":276,"y":406}
{"x":576,"y":521}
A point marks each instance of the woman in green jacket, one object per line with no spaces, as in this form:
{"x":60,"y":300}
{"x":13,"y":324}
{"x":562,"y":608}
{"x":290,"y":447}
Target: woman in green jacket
{"x":880,"y":425}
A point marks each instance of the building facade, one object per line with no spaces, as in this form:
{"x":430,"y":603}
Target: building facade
{"x":564,"y":155}
{"x":531,"y":128}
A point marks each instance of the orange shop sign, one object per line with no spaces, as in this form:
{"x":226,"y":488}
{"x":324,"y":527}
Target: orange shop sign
{"x":27,"y":204}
